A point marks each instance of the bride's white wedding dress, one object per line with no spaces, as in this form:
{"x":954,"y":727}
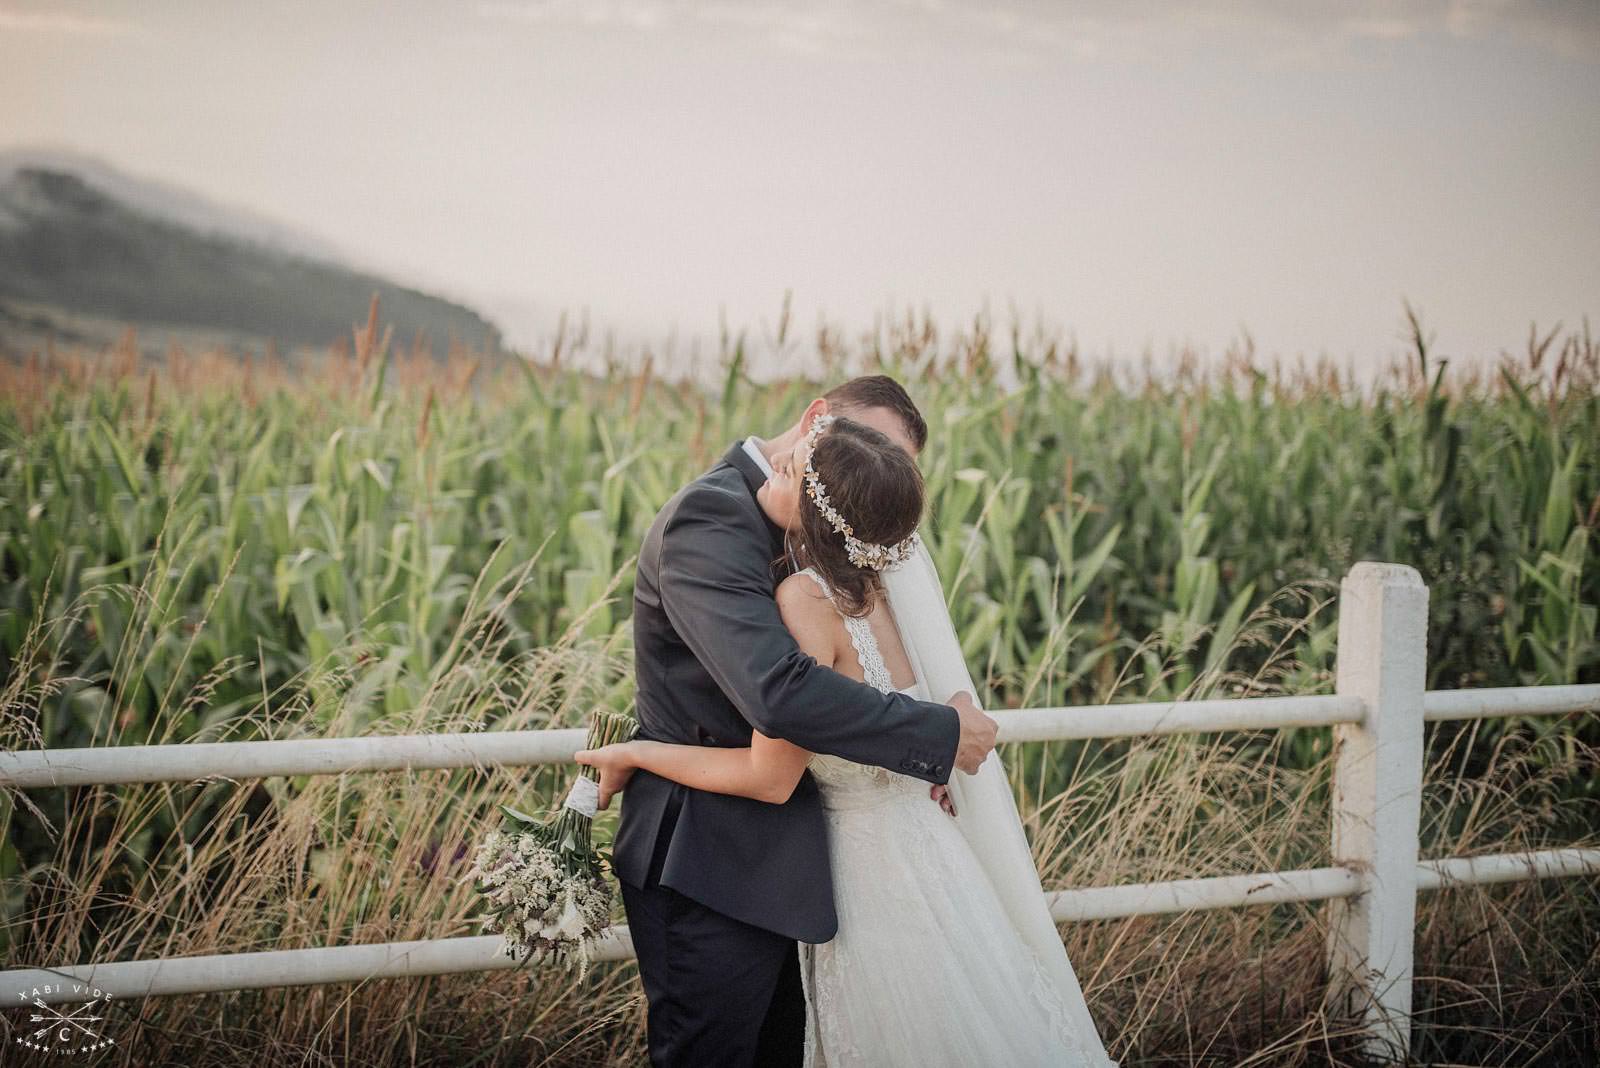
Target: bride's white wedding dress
{"x":930,"y":965}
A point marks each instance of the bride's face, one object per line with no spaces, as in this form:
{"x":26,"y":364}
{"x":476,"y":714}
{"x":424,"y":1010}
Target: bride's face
{"x":779,"y":496}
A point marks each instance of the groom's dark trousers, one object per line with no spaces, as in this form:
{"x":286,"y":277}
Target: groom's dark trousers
{"x":718,"y":888}
{"x":735,"y":1000}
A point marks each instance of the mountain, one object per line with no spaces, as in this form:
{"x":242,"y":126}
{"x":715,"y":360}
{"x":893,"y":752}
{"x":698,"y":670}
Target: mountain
{"x":164,"y":200}
{"x":87,"y":249}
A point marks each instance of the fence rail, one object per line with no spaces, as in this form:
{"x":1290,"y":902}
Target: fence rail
{"x":445,"y":956}
{"x":1378,"y":715}
{"x":196,"y":761}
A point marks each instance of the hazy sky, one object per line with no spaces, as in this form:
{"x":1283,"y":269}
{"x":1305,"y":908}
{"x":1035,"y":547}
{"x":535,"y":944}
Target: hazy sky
{"x":1137,"y":174}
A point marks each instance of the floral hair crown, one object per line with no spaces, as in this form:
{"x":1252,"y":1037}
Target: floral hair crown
{"x":861,"y":553}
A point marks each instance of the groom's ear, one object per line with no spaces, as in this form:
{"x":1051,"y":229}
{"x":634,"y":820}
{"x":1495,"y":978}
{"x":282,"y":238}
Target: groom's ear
{"x":814,"y":409}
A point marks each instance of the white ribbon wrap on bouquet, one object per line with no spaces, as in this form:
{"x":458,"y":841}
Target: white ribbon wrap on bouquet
{"x":986,"y":810}
{"x":584,"y":797}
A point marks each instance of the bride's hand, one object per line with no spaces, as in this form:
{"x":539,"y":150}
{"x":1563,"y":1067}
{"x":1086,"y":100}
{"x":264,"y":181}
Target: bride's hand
{"x":616,"y":766}
{"x":941,"y":794}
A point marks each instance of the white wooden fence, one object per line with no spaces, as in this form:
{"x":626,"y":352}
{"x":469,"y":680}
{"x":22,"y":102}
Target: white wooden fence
{"x":1377,"y":713}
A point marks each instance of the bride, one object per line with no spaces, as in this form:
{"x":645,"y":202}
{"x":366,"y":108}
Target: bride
{"x":945,"y":952}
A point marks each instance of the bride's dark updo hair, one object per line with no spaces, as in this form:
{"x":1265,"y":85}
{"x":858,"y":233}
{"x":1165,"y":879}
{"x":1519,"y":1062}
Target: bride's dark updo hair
{"x":877,"y":487}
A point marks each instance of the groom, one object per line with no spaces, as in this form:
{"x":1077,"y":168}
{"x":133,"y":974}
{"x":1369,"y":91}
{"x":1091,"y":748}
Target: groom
{"x":719,"y":888}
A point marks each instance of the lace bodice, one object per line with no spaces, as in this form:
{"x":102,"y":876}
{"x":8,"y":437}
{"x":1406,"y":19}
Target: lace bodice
{"x":844,"y":783}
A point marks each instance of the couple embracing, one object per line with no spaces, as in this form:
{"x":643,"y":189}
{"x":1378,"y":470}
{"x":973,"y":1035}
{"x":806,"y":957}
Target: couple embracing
{"x":820,"y":856}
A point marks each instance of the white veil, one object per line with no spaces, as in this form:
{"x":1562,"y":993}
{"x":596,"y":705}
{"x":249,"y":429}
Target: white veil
{"x":986,"y":810}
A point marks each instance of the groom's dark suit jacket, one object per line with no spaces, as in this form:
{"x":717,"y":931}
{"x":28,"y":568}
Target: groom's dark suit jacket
{"x":713,"y":660}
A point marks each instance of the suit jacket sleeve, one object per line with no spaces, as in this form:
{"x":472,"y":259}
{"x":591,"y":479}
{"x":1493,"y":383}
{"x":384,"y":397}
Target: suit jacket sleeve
{"x":716,"y":589}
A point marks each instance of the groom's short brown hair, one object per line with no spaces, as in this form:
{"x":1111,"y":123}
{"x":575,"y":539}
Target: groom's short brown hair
{"x":880,"y":391}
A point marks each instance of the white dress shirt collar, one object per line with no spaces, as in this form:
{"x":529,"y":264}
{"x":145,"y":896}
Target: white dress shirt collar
{"x":752,"y":445}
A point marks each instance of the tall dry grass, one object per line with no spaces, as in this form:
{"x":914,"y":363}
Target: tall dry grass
{"x":1506,"y":975}
{"x":323,"y":860}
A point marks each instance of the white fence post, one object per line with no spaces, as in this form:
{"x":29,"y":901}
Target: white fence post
{"x":1377,"y":791}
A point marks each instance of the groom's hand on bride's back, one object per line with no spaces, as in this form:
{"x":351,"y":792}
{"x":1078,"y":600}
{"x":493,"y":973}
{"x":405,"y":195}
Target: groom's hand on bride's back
{"x":978,"y":731}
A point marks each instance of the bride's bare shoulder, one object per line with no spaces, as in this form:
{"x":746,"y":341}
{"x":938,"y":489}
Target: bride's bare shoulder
{"x":801,"y":585}
{"x":809,"y":615}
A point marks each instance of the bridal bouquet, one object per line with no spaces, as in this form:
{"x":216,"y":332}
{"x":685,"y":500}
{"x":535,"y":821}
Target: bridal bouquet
{"x":543,"y":881}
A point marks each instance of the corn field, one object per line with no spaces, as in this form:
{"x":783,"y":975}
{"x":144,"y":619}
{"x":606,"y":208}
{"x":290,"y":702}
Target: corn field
{"x":372,"y":540}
